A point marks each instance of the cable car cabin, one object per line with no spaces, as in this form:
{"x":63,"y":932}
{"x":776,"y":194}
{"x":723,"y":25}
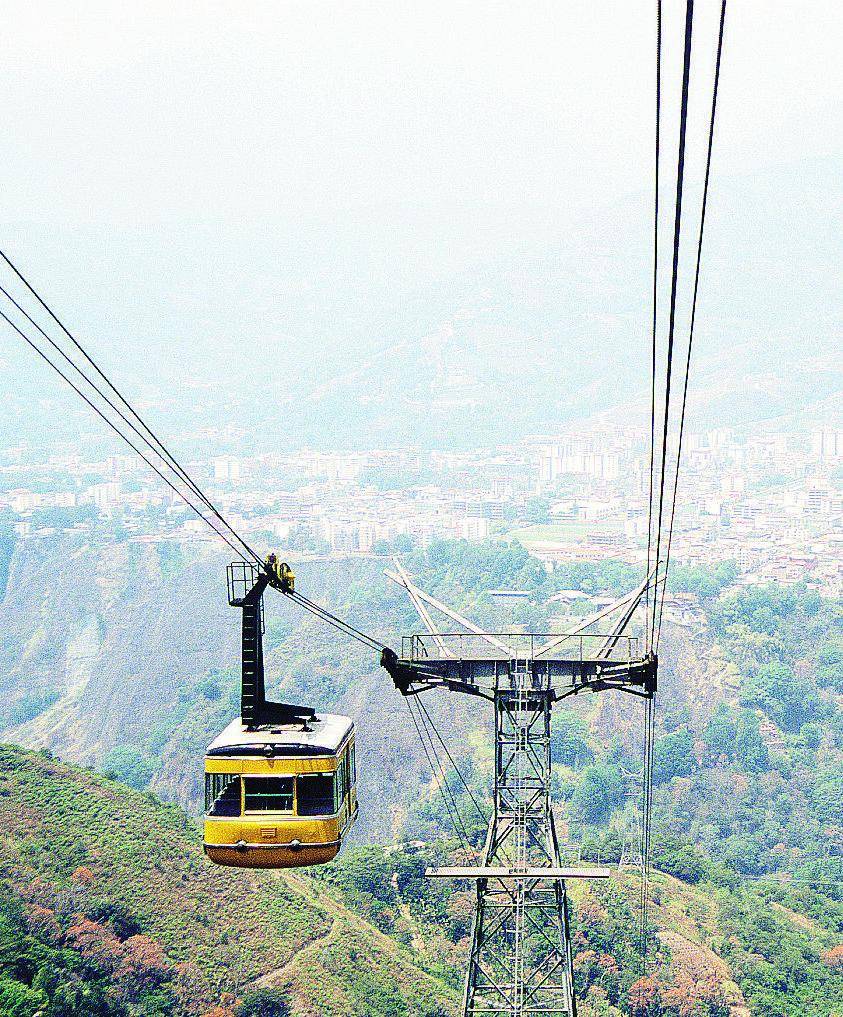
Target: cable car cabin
{"x":280,"y":796}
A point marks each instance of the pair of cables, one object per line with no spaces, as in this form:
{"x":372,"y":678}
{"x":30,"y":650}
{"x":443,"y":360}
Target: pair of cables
{"x":429,"y":735}
{"x":663,"y":496}
{"x":56,"y":345}
{"x":662,"y":509}
{"x":646,"y":831}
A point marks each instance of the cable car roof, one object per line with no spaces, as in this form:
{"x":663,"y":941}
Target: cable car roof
{"x":322,"y":738}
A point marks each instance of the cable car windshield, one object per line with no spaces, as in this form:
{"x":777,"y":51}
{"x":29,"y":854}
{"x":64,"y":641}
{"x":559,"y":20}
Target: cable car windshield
{"x":268,"y":794}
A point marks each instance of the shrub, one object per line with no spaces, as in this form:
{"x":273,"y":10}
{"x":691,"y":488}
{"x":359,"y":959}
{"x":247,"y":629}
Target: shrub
{"x":600,"y":789}
{"x":263,"y":1003}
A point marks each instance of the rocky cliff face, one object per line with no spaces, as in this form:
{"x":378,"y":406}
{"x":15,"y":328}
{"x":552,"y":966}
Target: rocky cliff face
{"x":113,"y":632}
{"x":133,"y":645}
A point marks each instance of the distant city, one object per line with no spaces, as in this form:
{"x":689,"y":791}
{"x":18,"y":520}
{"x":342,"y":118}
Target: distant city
{"x":772,"y":503}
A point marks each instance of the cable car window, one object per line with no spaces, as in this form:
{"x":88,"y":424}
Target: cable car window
{"x":353,"y":759}
{"x":222,"y":794}
{"x":315,"y":795}
{"x":269,"y":794}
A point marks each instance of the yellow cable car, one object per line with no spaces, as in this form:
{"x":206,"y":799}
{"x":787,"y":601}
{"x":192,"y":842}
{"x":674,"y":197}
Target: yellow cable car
{"x":280,"y":796}
{"x":280,"y":782}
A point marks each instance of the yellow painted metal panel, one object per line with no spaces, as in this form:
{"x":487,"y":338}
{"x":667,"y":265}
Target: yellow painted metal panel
{"x":286,"y":828}
{"x":276,"y":767}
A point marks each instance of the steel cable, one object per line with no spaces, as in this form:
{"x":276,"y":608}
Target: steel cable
{"x":677,"y":232}
{"x":331,"y":619}
{"x":653,"y":350}
{"x":712,"y":120}
{"x":114,"y":427}
{"x":442,"y":786}
{"x":150,"y":442}
{"x":180,"y":473}
{"x":646,"y":829}
{"x":161,"y":450}
{"x":481,"y":812}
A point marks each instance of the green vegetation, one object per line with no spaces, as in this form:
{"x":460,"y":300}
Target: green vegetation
{"x":128,"y":765}
{"x":748,"y":789}
{"x":109,"y":909}
{"x":63,"y":518}
{"x":26,"y":708}
{"x":599,"y":790}
{"x":748,"y":834}
{"x":673,"y":756}
{"x":705,"y":583}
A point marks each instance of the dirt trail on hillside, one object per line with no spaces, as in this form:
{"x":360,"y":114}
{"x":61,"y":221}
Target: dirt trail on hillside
{"x":279,"y":975}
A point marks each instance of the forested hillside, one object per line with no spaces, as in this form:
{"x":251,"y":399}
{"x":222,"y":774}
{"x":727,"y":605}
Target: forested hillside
{"x":110,"y":909}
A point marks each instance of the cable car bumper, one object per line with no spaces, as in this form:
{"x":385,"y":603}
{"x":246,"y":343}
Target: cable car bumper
{"x":291,"y":854}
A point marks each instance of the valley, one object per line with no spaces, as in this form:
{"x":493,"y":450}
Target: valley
{"x":126,"y":662}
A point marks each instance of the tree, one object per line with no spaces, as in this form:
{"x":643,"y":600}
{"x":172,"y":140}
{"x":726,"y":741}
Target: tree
{"x":8,"y":540}
{"x":691,"y":997}
{"x":833,"y":958}
{"x":644,"y":998}
{"x":750,"y":748}
{"x":143,"y":964}
{"x":830,"y":665}
{"x":19,"y":1000}
{"x":720,"y":733}
{"x":43,"y":922}
{"x":685,"y":861}
{"x":790,"y":699}
{"x":568,"y":743}
{"x":97,"y":944}
{"x":811,"y":735}
{"x":743,"y":854}
{"x":673,"y":756}
{"x":826,"y":792}
{"x":706,"y":583}
{"x":128,"y":765}
{"x":600,"y":789}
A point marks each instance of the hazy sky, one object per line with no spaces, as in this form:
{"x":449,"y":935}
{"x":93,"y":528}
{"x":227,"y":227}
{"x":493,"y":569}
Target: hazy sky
{"x":282,"y":187}
{"x":135,"y":113}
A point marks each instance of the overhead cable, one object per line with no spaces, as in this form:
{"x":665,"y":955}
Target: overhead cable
{"x":144,"y":432}
{"x":146,"y":443}
{"x":653,"y":344}
{"x":180,"y":473}
{"x":441,"y":783}
{"x":117,"y":431}
{"x":646,"y":830}
{"x":331,"y":619}
{"x":712,"y":119}
{"x":677,"y":232}
{"x":480,"y":810}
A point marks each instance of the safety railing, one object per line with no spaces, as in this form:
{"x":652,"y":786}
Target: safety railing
{"x":520,"y":646}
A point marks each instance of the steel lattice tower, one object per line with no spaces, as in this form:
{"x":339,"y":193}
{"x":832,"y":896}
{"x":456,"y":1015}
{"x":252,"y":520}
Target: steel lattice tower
{"x":520,"y":960}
